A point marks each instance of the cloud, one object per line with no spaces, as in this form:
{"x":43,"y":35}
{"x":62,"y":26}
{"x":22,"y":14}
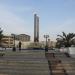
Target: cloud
{"x":23,"y":9}
{"x":11,"y":23}
{"x":68,"y":26}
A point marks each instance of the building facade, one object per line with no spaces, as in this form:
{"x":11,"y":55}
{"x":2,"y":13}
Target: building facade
{"x":21,"y":37}
{"x":7,"y":41}
{"x":11,"y":41}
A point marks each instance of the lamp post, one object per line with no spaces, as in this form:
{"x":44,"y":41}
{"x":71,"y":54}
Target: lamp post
{"x":46,"y":47}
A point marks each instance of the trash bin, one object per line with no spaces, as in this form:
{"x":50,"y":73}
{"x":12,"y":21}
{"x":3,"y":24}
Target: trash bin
{"x":46,"y":49}
{"x":14,"y":49}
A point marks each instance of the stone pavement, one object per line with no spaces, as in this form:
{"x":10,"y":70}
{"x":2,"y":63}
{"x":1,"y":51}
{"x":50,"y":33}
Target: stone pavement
{"x":36,"y":62}
{"x":28,"y":62}
{"x":60,"y":63}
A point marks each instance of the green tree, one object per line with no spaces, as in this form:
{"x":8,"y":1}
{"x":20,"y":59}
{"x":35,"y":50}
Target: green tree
{"x":65,"y":39}
{"x":1,"y":35}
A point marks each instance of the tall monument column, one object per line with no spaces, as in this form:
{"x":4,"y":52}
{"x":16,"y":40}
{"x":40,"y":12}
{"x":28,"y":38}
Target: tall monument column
{"x":36,"y":28}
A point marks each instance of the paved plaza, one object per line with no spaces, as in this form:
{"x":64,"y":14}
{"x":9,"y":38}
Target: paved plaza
{"x":36,"y":62}
{"x":28,"y":62}
{"x":60,"y":63}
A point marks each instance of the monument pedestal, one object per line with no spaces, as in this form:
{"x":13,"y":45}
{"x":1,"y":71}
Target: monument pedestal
{"x":35,"y":45}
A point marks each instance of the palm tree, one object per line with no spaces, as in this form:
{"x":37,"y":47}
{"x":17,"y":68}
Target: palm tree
{"x":1,"y":35}
{"x":65,"y":39}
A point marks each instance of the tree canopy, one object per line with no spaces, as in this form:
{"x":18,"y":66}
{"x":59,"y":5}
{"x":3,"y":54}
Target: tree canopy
{"x":65,"y":39}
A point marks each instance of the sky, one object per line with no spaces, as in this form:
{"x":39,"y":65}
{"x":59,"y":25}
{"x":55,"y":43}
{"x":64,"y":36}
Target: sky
{"x":56,"y":16}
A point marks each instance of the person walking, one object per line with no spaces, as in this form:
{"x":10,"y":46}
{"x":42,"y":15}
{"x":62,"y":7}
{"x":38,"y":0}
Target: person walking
{"x":20,"y":46}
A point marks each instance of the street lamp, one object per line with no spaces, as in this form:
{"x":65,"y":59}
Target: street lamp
{"x":46,"y":47}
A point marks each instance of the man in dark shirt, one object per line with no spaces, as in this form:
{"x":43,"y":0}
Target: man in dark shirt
{"x":20,"y":46}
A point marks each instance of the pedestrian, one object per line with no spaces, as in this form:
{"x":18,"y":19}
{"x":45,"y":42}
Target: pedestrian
{"x":20,"y":46}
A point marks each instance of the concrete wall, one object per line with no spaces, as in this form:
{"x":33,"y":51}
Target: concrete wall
{"x":24,"y":44}
{"x":72,"y":51}
{"x":64,"y":50}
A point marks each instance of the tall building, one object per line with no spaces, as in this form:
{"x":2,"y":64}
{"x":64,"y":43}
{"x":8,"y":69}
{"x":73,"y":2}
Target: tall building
{"x":36,"y":28}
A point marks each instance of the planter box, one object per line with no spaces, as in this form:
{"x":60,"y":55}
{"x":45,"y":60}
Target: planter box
{"x":72,"y":51}
{"x":64,"y":50}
